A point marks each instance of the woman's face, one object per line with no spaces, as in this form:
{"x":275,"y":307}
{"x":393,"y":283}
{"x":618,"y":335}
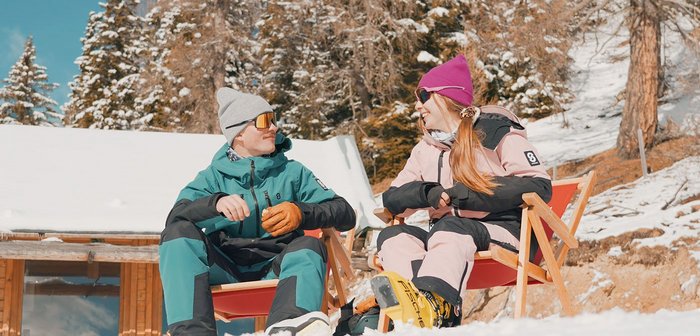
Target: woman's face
{"x":436,"y":116}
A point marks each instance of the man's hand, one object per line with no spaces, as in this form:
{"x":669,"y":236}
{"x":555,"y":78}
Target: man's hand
{"x":233,"y":207}
{"x":281,"y":218}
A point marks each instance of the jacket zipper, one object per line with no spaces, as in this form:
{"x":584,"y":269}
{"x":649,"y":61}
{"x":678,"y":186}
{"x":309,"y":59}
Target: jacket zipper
{"x":442,"y":153}
{"x":267,"y":198}
{"x":255,"y":198}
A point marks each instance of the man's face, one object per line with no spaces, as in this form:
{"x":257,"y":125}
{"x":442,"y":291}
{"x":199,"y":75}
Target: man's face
{"x":252,"y":141}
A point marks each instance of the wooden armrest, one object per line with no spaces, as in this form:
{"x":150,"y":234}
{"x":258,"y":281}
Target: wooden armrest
{"x":384,"y":215}
{"x":373,"y":261}
{"x":555,"y":223}
{"x":244,"y":285}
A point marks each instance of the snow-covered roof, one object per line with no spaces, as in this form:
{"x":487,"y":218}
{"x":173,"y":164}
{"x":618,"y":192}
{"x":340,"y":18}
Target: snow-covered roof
{"x":82,"y":180}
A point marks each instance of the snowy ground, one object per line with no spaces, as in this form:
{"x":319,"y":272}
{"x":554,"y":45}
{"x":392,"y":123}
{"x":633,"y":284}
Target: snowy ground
{"x":614,"y":322}
{"x":651,"y":202}
{"x":594,"y":115}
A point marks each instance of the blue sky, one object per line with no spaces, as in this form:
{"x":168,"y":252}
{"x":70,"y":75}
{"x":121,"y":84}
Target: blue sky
{"x":56,"y":26}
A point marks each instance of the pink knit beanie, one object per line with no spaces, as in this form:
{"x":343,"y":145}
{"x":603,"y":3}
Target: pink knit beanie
{"x":454,"y":73}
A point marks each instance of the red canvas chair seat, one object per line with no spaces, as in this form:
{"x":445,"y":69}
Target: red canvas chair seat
{"x":488,"y":272}
{"x":501,"y":267}
{"x":253,"y":299}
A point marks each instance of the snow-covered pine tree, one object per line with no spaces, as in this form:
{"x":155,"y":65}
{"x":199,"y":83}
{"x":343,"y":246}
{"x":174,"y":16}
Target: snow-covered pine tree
{"x":189,"y":53}
{"x":104,"y":92}
{"x":521,"y":49}
{"x":243,"y":66}
{"x":295,"y":43}
{"x":158,"y":92}
{"x":24,"y":98}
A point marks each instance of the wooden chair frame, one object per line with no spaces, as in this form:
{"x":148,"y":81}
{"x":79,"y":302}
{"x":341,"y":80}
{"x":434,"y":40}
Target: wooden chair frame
{"x":539,"y":218}
{"x":339,"y":269}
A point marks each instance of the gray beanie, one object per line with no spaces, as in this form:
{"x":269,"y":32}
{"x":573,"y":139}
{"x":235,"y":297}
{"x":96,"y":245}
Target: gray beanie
{"x":235,"y":108}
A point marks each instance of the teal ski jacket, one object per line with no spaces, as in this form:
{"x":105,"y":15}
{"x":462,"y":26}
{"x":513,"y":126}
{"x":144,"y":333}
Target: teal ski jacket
{"x":262,"y":182}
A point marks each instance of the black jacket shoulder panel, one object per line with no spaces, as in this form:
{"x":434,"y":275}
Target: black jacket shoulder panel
{"x":494,"y":127}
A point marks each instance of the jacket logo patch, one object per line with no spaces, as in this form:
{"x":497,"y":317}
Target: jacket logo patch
{"x":278,"y":196}
{"x":532,"y":158}
{"x":321,"y":184}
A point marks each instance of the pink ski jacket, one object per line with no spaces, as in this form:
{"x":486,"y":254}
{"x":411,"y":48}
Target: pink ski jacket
{"x":507,"y":155}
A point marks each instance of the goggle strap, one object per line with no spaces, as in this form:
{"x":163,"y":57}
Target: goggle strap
{"x":238,"y":124}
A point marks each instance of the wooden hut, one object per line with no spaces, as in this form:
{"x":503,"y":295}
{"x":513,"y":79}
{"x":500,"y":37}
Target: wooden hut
{"x":81,"y":212}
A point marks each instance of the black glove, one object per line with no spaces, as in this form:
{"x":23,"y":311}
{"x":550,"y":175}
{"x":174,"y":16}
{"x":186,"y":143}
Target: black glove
{"x":434,"y":195}
{"x":412,"y":195}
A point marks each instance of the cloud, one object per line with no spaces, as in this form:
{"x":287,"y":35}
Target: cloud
{"x":15,"y":44}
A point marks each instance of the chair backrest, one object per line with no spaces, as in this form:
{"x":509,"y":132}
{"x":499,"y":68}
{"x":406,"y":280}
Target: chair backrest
{"x":563,"y":192}
{"x":489,"y":273}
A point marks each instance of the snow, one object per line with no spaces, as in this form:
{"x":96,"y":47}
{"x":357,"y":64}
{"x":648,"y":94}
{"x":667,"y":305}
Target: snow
{"x":615,"y":251}
{"x":426,"y":57}
{"x":420,"y":28}
{"x":439,"y":12}
{"x":85,"y":180}
{"x":613,"y":322}
{"x":639,"y":204}
{"x":599,"y":281}
{"x":594,"y":115}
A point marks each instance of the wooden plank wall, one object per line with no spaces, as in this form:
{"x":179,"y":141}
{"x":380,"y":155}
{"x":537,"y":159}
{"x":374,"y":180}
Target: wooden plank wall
{"x":11,"y":291}
{"x":141,"y":297}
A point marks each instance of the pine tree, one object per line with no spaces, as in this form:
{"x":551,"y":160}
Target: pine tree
{"x":645,"y":78}
{"x":191,"y":45}
{"x":25,"y":94}
{"x":104,"y":93}
{"x":521,"y":51}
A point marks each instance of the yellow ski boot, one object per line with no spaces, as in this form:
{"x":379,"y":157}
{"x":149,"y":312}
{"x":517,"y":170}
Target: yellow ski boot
{"x":401,"y":301}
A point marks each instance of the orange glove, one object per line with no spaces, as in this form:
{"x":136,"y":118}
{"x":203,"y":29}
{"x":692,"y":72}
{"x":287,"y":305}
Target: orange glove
{"x":281,"y":218}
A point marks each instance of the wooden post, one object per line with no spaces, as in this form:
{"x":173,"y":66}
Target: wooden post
{"x":523,"y":262}
{"x":12,"y":282}
{"x":642,"y":155}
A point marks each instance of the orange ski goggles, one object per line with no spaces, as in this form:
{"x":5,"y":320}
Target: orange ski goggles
{"x":262,"y":121}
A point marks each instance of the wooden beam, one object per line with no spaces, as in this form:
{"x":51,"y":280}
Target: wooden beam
{"x":68,"y":268}
{"x":523,"y":266}
{"x":38,"y":250}
{"x":111,"y":238}
{"x":510,"y":259}
{"x":60,"y":289}
{"x":551,"y":262}
{"x":7,"y":279}
{"x":244,"y":285}
{"x":341,"y":255}
{"x":553,"y":221}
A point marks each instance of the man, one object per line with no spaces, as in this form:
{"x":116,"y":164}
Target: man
{"x":242,"y":219}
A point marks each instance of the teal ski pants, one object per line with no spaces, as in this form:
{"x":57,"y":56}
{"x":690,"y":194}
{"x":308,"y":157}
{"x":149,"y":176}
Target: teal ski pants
{"x":190,"y":264}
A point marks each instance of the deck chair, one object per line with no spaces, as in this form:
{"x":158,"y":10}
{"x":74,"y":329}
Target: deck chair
{"x":501,"y":267}
{"x":253,"y":299}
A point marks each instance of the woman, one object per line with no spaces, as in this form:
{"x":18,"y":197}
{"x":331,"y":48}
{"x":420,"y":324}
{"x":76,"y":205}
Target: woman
{"x":469,"y":171}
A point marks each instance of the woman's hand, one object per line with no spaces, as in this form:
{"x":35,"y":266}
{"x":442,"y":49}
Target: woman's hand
{"x":438,"y":197}
{"x":445,"y":199}
{"x":233,"y":207}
